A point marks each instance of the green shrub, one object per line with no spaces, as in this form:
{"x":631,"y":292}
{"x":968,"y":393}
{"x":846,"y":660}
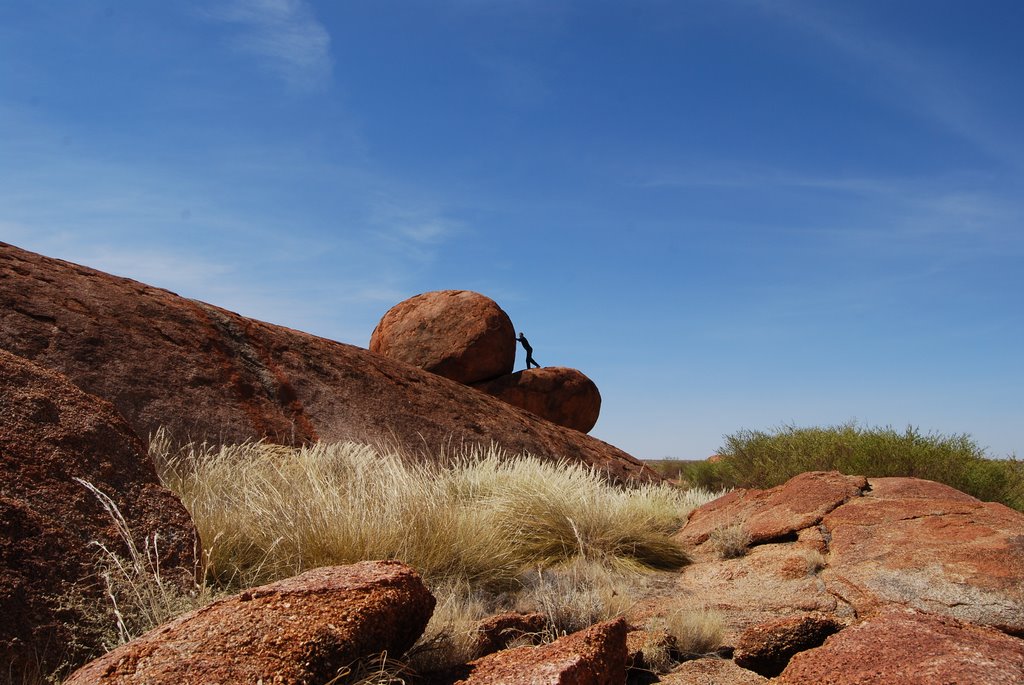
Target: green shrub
{"x":760,"y":459}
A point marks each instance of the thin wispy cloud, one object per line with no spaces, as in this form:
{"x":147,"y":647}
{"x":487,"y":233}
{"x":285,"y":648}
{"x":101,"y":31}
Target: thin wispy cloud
{"x":415,"y":230}
{"x":914,"y":208}
{"x":283,"y":34}
{"x":912,"y":76}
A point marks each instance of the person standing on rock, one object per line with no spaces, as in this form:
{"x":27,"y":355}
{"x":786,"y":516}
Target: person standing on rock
{"x":529,"y":351}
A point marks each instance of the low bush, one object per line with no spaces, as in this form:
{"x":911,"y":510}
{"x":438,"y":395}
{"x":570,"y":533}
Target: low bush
{"x":766,"y":459}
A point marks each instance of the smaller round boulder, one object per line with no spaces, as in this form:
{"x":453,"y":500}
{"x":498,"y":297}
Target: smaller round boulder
{"x":458,"y":334}
{"x":560,"y":395}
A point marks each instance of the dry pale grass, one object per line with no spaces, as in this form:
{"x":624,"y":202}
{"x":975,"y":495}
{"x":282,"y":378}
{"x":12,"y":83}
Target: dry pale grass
{"x":136,"y":595}
{"x":268,"y":512}
{"x":683,"y":634}
{"x":450,"y":637}
{"x":814,"y":560}
{"x":577,"y":594}
{"x":730,"y":542}
{"x":697,"y":631}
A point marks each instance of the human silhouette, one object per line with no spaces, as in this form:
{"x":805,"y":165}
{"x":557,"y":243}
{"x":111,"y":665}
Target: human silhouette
{"x":529,"y":351}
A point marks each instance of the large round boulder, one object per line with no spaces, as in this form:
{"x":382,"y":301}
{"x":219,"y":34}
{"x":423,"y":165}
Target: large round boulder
{"x":458,"y":334}
{"x":563,"y":396}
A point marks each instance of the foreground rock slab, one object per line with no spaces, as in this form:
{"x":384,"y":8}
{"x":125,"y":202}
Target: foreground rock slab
{"x":561,"y":395}
{"x":52,"y":433}
{"x":911,"y":648}
{"x":596,"y":656}
{"x":205,"y":373}
{"x":305,"y":629}
{"x":458,"y":334}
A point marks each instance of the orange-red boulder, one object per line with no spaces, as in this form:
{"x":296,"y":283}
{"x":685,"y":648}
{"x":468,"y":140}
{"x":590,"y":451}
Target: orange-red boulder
{"x":305,"y":629}
{"x":596,"y":656}
{"x":50,"y":434}
{"x":911,"y":648}
{"x":560,"y":395}
{"x":458,"y":334}
{"x":205,"y":373}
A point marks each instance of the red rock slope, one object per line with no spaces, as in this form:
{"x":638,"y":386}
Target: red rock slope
{"x":209,"y":374}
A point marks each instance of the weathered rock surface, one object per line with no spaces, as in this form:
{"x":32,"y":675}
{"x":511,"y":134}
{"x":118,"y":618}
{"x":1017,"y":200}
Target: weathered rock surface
{"x":712,"y":671}
{"x":497,"y":632}
{"x":458,"y":334}
{"x":596,"y":656}
{"x":773,"y":514}
{"x":771,"y":581}
{"x":206,"y":373}
{"x":305,"y":629}
{"x":928,"y":546}
{"x":767,"y":647}
{"x":51,"y":433}
{"x":911,"y":648}
{"x":561,"y":395}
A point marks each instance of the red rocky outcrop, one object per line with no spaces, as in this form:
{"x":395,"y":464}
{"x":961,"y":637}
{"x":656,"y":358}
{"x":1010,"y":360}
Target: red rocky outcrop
{"x":772,"y":514}
{"x":560,"y":395}
{"x":911,"y":648}
{"x":305,"y":629}
{"x":928,"y":546}
{"x":50,"y":434}
{"x":837,"y":545}
{"x":205,"y":373}
{"x":596,"y":656}
{"x":458,"y":334}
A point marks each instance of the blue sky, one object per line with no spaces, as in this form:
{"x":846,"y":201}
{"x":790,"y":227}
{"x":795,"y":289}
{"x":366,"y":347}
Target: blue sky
{"x":729,"y":213}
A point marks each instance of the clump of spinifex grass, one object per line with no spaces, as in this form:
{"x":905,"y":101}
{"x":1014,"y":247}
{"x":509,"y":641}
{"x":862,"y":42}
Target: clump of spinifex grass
{"x":765,"y":459}
{"x":268,"y":512}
